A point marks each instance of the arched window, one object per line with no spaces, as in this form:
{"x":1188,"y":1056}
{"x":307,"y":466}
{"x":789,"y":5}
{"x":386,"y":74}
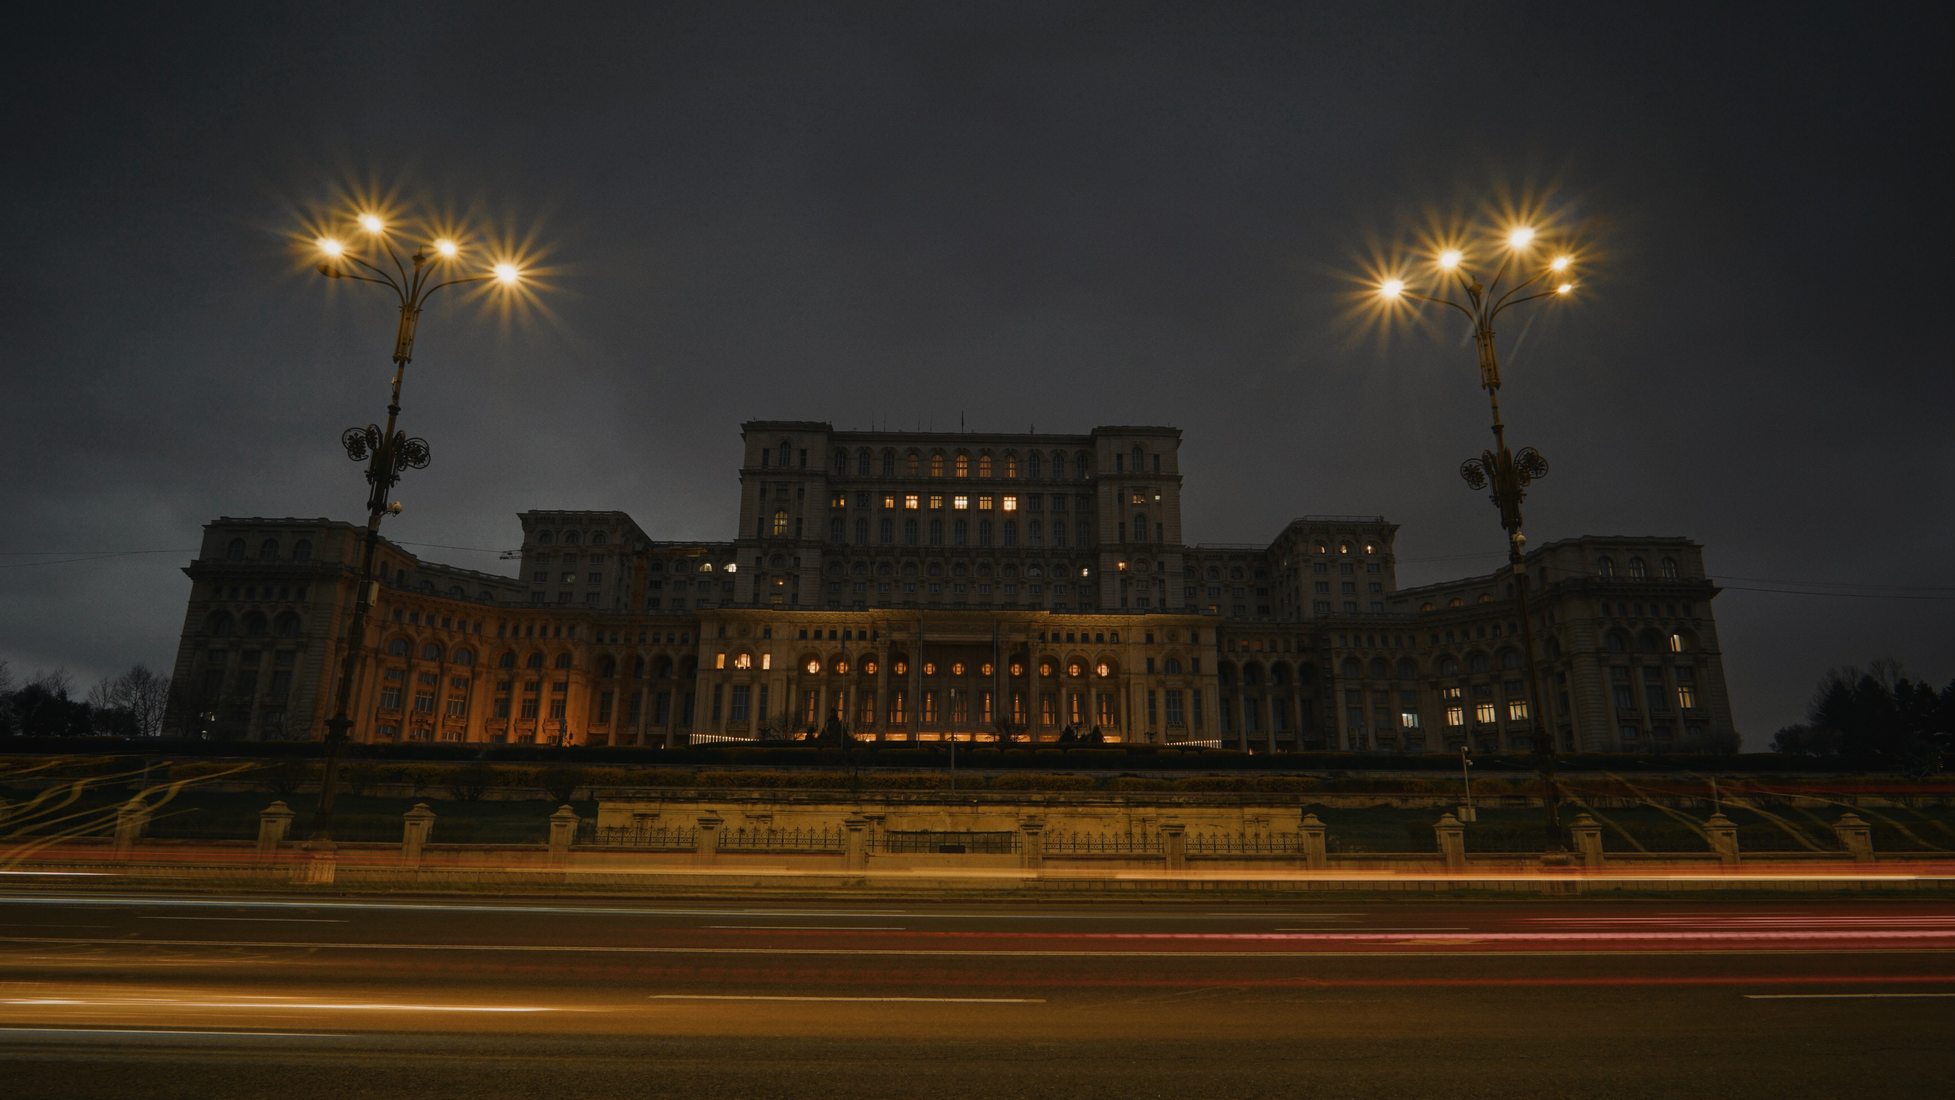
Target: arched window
{"x":1079,"y":465}
{"x":563,"y":660}
{"x":1140,"y":527}
{"x":1448,"y":665}
{"x":912,"y":463}
{"x":1605,"y":568}
{"x":1350,"y":669}
{"x":863,"y":459}
{"x":254,"y":624}
{"x":607,"y":667}
{"x":963,"y":464}
{"x":545,"y":538}
{"x":780,"y":523}
{"x":984,"y":465}
{"x":1510,"y":658}
{"x":570,"y":538}
{"x":841,"y":462}
{"x":431,"y":652}
{"x":1172,"y":666}
{"x":888,"y":462}
{"x":1637,"y":569}
{"x":1011,"y":464}
{"x":1032,"y":465}
{"x":397,"y":647}
{"x":1478,"y":662}
{"x":286,"y":625}
{"x":535,"y":660}
{"x":1616,"y":641}
{"x":302,"y":550}
{"x":936,"y":464}
{"x":234,"y":551}
{"x":1669,"y":568}
{"x":268,"y":550}
{"x":219,"y":625}
{"x":598,"y":538}
{"x":507,"y":660}
{"x":1059,"y":465}
{"x":465,"y":658}
{"x":784,"y":452}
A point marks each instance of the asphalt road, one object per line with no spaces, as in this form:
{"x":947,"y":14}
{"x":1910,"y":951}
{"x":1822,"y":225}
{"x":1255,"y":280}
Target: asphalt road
{"x":161,"y":996}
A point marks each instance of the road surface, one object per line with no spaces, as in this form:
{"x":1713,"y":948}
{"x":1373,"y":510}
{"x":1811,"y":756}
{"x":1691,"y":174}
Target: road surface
{"x":194,"y":996}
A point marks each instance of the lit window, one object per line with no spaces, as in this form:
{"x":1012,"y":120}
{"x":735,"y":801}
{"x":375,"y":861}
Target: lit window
{"x":842,"y":666}
{"x":719,"y":660}
{"x":814,"y":666}
{"x":957,"y":668}
{"x":780,"y":523}
{"x":1676,"y":643}
{"x":841,"y":500}
{"x":963,"y":465}
{"x":929,"y":668}
{"x":1455,"y":716}
{"x":910,"y":501}
{"x":743,"y":661}
{"x":984,"y":504}
{"x":869,"y":666}
{"x":1686,"y":696}
{"x":960,"y":503}
{"x":1102,"y":670}
{"x":1483,"y":713}
{"x":1517,"y":710}
{"x":1010,"y":504}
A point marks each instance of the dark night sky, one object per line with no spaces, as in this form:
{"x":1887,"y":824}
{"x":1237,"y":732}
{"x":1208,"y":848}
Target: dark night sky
{"x":1047,"y":214}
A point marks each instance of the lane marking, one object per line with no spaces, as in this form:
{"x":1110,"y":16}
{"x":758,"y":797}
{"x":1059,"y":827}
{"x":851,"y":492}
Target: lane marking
{"x":808,"y":927}
{"x":8,"y":1029}
{"x":262,"y":920}
{"x":867,"y":1000}
{"x":1836,"y":996}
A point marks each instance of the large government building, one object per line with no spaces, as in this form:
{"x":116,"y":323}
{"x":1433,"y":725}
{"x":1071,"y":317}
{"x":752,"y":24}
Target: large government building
{"x":919,"y":587}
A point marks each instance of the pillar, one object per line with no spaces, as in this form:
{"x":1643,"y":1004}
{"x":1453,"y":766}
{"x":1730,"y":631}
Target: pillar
{"x":417,"y":825}
{"x":130,"y":821}
{"x":1855,"y":836}
{"x":855,"y":843}
{"x":1174,"y":845}
{"x":1724,"y":838}
{"x":563,"y":830}
{"x":321,"y":864}
{"x":706,"y":840}
{"x":1452,"y":842}
{"x":274,"y":822}
{"x":1315,"y":857}
{"x":1031,"y":843}
{"x":1588,"y":840}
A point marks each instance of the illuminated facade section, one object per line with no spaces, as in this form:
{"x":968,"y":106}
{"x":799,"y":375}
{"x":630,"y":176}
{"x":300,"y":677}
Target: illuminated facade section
{"x":914,"y":587}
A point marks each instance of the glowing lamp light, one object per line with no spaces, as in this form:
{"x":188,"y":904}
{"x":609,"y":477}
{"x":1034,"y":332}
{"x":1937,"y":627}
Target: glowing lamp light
{"x":1450,"y":259}
{"x":372,"y":223}
{"x":1560,"y":263}
{"x":446,"y":248}
{"x":1520,"y":237}
{"x":1565,"y":288}
{"x":507,"y":274}
{"x":331,"y":247}
{"x":1391,"y":288}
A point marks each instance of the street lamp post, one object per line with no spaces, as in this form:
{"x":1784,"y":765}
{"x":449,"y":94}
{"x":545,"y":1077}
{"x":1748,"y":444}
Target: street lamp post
{"x":387,"y":451}
{"x":1505,"y":473}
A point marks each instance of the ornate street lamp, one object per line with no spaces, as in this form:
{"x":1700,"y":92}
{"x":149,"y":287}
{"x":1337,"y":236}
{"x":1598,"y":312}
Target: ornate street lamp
{"x":1527,"y":277}
{"x":374,"y":256}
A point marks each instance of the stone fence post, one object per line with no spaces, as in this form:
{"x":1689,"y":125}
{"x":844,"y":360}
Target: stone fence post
{"x":1724,"y":838}
{"x":1856,"y":836}
{"x":1174,"y":845}
{"x":1315,"y":853}
{"x":274,"y":823}
{"x":855,"y":843}
{"x":130,"y":821}
{"x":706,"y":840}
{"x":563,"y":830}
{"x":1588,"y":840}
{"x":1452,"y":842}
{"x":1031,"y":843}
{"x":417,"y":825}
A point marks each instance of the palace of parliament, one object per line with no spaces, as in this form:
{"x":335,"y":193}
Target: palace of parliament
{"x":918,"y":587}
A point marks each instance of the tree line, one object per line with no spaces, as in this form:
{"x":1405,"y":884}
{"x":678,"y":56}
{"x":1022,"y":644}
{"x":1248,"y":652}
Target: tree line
{"x":1876,"y":712}
{"x":129,"y":705}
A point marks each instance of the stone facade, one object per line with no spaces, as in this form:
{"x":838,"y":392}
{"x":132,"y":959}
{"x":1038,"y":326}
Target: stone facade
{"x":918,"y":587}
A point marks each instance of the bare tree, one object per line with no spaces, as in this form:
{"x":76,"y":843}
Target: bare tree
{"x":146,"y":695}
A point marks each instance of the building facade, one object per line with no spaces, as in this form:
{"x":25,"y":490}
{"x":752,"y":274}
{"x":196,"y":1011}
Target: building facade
{"x":919,"y":587}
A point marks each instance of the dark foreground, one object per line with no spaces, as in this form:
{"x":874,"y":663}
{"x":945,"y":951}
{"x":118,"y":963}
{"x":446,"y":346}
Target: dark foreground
{"x":203,"y":997}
